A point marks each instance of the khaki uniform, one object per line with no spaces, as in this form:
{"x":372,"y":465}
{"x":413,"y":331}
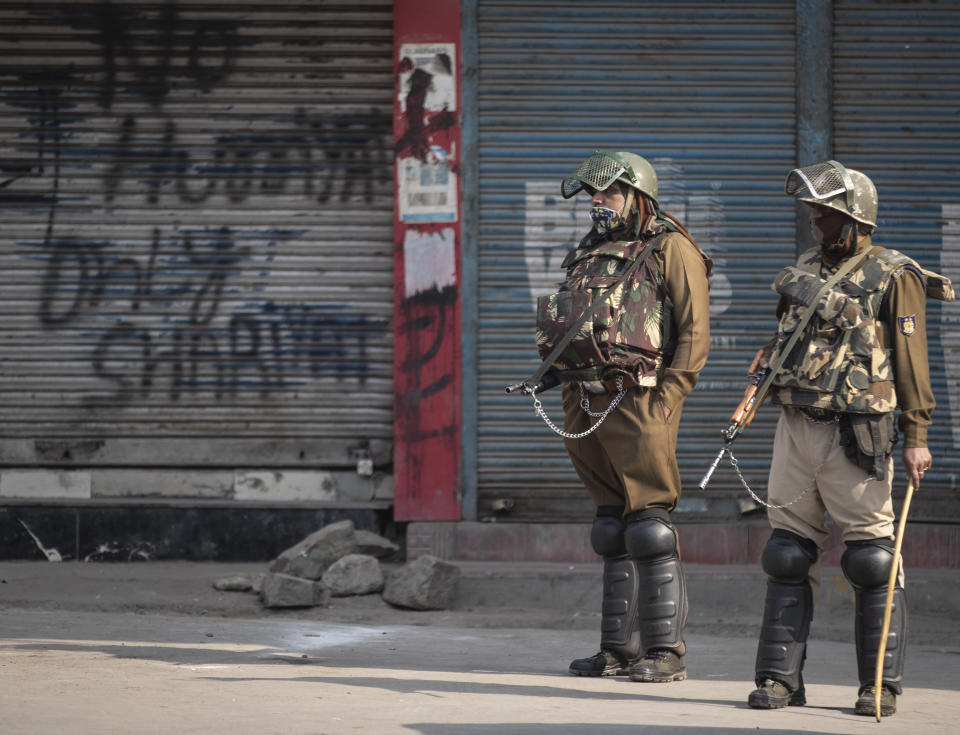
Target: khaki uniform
{"x":630,"y":460}
{"x":810,"y":473}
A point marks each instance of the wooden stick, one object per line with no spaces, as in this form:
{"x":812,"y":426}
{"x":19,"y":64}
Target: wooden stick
{"x":888,"y":609}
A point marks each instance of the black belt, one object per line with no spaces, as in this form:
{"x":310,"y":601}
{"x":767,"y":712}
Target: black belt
{"x":820,"y":415}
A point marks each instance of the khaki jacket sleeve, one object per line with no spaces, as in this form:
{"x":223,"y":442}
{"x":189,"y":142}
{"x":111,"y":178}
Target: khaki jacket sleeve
{"x":906,"y":317}
{"x":685,"y":276}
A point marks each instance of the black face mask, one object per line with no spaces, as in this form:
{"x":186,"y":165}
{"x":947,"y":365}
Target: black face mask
{"x":831,"y":231}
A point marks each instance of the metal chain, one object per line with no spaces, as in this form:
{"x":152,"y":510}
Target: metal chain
{"x":585,"y":402}
{"x":736,"y":466}
{"x":538,"y":409}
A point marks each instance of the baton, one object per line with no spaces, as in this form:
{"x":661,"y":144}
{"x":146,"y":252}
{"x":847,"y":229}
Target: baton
{"x":888,"y":608}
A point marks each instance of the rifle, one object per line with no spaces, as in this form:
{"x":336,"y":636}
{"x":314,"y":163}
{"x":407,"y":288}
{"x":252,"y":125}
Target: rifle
{"x":740,"y":420}
{"x":548,"y":381}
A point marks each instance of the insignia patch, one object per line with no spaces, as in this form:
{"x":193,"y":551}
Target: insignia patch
{"x":908,"y":324}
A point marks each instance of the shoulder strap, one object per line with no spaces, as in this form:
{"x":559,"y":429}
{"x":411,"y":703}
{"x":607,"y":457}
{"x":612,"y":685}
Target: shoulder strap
{"x":777,"y":359}
{"x":595,"y":306}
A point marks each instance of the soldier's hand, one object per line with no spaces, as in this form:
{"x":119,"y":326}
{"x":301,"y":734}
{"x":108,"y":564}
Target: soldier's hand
{"x":916,"y":461}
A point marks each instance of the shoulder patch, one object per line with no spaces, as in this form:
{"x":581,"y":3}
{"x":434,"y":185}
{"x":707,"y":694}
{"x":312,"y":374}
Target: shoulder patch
{"x":908,"y":324}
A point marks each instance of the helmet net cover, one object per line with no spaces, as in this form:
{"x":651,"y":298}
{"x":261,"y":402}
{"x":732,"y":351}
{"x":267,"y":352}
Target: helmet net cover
{"x":821,"y":182}
{"x":598,"y":172}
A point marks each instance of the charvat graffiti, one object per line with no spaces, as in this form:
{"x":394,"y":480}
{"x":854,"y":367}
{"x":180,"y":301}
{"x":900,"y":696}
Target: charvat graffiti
{"x":170,"y":229}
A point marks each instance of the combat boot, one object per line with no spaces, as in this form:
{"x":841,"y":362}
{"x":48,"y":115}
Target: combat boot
{"x":619,"y":628}
{"x":773,"y":694}
{"x":787,"y":612}
{"x":867,"y":705}
{"x":659,"y":665}
{"x":603,"y":663}
{"x":867,"y":565}
{"x":651,"y":540}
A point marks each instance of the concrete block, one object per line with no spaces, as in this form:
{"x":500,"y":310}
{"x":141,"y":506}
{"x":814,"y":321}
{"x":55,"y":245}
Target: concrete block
{"x":263,"y":485}
{"x":135,"y":483}
{"x":45,"y":484}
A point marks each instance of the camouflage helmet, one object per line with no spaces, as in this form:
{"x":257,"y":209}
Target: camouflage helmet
{"x":604,"y":167}
{"x":830,"y":184}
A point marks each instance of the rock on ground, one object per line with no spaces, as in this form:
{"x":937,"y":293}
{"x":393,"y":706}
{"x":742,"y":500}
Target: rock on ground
{"x":311,"y":557}
{"x":354,"y":574}
{"x":284,"y":590}
{"x":374,"y":544}
{"x":235,"y":583}
{"x":427,"y":583}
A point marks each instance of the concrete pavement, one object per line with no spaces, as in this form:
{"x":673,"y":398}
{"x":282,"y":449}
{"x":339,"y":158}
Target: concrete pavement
{"x":152,"y":648}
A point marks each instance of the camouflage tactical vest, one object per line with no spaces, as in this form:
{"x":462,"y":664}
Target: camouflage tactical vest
{"x":628,"y":336}
{"x":842,"y":361}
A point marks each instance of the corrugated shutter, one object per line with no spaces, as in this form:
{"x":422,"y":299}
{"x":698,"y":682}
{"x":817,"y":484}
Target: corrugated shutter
{"x":897,"y":118}
{"x":196,"y":252}
{"x":706,"y":92}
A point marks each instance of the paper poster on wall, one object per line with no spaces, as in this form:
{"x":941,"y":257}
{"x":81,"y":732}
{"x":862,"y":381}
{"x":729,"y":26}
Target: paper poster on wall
{"x":429,"y":261}
{"x":432,"y":65}
{"x":426,"y":149}
{"x":427,"y":190}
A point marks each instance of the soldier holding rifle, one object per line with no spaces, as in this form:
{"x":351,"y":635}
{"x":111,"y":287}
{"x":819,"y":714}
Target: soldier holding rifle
{"x":851,"y":348}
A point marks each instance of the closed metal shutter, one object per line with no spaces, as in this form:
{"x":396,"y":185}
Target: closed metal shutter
{"x":705,"y":91}
{"x":196,"y":251}
{"x":896,"y":92}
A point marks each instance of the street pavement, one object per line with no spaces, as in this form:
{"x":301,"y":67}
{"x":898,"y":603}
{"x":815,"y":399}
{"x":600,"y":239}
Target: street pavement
{"x":152,"y":648}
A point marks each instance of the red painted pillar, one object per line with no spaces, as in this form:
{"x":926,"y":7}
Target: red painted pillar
{"x":427,"y":149}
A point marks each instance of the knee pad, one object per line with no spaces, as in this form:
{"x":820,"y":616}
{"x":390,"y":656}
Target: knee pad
{"x":650,"y":535}
{"x":787,"y":557}
{"x":866,"y":564}
{"x":606,"y":535}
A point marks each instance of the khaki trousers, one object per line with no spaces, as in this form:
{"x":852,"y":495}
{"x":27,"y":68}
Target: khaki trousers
{"x":631,"y":459}
{"x":811,"y":476}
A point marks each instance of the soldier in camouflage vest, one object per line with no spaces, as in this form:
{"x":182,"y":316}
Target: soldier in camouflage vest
{"x":640,"y":353}
{"x":861,"y":355}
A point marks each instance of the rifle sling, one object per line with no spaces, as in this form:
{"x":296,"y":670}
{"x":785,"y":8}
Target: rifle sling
{"x":777,"y":360}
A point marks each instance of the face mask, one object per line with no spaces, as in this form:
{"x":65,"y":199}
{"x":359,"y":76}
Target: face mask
{"x":831,"y":232}
{"x":604,"y":219}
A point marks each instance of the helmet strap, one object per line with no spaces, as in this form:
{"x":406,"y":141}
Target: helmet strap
{"x":627,"y":210}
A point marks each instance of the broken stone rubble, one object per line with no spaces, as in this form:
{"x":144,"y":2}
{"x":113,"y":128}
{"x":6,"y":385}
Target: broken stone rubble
{"x":354,"y":574}
{"x":310,"y":557}
{"x":340,"y":561}
{"x":427,"y":583}
{"x":284,"y":590}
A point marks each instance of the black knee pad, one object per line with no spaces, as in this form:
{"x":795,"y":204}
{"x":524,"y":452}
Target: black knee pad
{"x":787,"y":557}
{"x":650,"y":535}
{"x":606,"y":535}
{"x":866,"y":564}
